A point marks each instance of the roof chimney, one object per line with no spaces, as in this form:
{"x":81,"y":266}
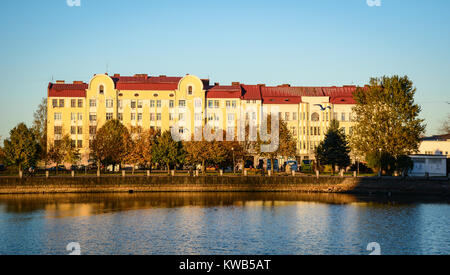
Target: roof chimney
{"x":60,"y":82}
{"x":78,"y":82}
{"x":262,"y":85}
{"x":216,"y":84}
{"x":235,"y":83}
{"x":116,"y":75}
{"x":163,"y":75}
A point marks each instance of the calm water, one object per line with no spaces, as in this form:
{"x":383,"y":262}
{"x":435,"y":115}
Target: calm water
{"x":225,"y":223}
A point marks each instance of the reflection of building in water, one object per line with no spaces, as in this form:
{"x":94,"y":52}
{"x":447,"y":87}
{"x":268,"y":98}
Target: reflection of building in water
{"x":188,"y":103}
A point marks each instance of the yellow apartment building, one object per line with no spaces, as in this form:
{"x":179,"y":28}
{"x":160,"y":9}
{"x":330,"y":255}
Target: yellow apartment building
{"x":189,"y":103}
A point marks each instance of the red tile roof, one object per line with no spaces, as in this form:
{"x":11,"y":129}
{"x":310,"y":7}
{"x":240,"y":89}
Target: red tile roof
{"x":67,"y":90}
{"x":224,"y":92}
{"x":251,"y":92}
{"x":284,"y":94}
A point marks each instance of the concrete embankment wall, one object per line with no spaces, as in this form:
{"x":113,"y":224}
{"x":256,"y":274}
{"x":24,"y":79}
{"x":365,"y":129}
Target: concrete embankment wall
{"x":224,"y":184}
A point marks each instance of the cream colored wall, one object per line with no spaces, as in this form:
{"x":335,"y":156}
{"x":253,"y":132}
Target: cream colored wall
{"x":435,"y":148}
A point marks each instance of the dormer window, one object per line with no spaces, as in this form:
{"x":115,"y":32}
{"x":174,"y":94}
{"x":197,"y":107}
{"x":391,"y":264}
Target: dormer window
{"x":101,"y":90}
{"x":190,"y":90}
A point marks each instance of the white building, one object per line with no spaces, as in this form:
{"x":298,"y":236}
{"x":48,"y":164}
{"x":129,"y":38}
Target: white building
{"x":433,"y":165}
{"x":436,"y":145}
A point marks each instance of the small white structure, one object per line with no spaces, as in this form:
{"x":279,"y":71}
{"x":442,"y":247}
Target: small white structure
{"x":435,"y":145}
{"x":433,"y":165}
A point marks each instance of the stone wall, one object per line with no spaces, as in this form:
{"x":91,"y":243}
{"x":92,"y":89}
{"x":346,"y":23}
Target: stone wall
{"x":14,"y":185}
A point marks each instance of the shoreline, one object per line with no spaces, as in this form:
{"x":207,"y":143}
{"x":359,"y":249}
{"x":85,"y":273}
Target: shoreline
{"x":141,"y":184}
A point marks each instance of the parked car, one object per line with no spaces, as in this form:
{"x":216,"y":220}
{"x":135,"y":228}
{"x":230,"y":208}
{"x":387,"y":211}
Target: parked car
{"x":293,"y":164}
{"x":307,"y":166}
{"x":2,"y":167}
{"x":60,"y":168}
{"x":275,"y":167}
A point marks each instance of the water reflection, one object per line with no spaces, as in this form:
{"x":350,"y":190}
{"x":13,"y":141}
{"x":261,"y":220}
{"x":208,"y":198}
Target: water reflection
{"x":222,"y":223}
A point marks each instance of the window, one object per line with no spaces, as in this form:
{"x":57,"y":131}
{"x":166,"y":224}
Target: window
{"x":73,"y":143}
{"x":120,"y":104}
{"x":92,"y":130}
{"x":171,"y":103}
{"x":73,"y":130}
{"x":80,"y":130}
{"x":343,"y":130}
{"x":230,"y":117}
{"x":139,"y":104}
{"x":254,"y":101}
{"x":294,"y":131}
{"x":198,"y":117}
{"x":133,"y":116}
{"x":57,"y":116}
{"x":80,"y":144}
{"x":315,"y":117}
{"x":80,"y":103}
{"x":92,"y":103}
{"x":139,"y":117}
{"x":294,"y":116}
{"x":181,"y":130}
{"x":286,"y":116}
{"x":109,"y":103}
{"x":190,"y":89}
{"x":248,"y":101}
{"x":80,"y":116}
{"x":210,"y":104}
{"x":182,"y":103}
{"x":152,"y":117}
{"x":152,"y":104}
{"x":109,"y":116}
{"x":171,"y":116}
{"x":158,"y":104}
{"x":216,"y":104}
{"x":198,"y":103}
{"x":92,"y":117}
{"x":101,"y":89}
{"x":343,"y":116}
{"x":158,"y":117}
{"x":335,"y":116}
{"x":228,"y":104}
{"x":233,"y":104}
{"x":61,"y":103}
{"x":55,"y":103}
{"x":133,"y":104}
{"x":327,"y":116}
{"x":73,"y":116}
{"x":181,"y":117}
{"x":254,"y":115}
{"x":73,"y":103}
{"x":58,"y":130}
{"x":120,"y":116}
{"x":216,"y":117}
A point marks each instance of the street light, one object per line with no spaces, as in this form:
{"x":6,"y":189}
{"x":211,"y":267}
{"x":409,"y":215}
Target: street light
{"x":234,"y":165}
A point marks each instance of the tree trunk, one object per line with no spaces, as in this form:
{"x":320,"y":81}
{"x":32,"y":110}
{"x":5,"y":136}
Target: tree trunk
{"x":57,"y":167}
{"x":132,"y":171}
{"x":203,"y":167}
{"x":98,"y":166}
{"x":272,"y":164}
{"x":168,"y":168}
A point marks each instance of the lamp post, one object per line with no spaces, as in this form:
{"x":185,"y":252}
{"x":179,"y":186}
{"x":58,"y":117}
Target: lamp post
{"x":234,"y":165}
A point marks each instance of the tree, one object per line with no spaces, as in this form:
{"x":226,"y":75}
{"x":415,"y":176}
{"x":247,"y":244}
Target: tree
{"x":139,"y":147}
{"x":334,"y":149}
{"x":2,"y":155}
{"x":287,"y":146}
{"x":445,"y":127}
{"x":387,"y":121}
{"x":168,"y":151}
{"x":63,"y":151}
{"x":21,"y":148}
{"x":110,"y":144}
{"x":40,"y":127}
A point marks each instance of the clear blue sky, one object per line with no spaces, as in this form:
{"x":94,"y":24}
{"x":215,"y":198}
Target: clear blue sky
{"x":322,"y":42}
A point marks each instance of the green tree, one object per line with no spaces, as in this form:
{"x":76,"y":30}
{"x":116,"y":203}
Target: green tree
{"x":63,"y":151}
{"x":110,"y":144}
{"x":388,"y":124}
{"x":139,"y":147}
{"x":334,"y":149}
{"x":21,"y":148}
{"x":287,"y":146}
{"x":40,"y":128}
{"x":168,"y":151}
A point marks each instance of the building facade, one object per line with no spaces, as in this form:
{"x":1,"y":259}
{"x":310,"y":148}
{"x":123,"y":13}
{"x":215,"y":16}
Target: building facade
{"x":188,"y":103}
{"x":435,"y":145}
